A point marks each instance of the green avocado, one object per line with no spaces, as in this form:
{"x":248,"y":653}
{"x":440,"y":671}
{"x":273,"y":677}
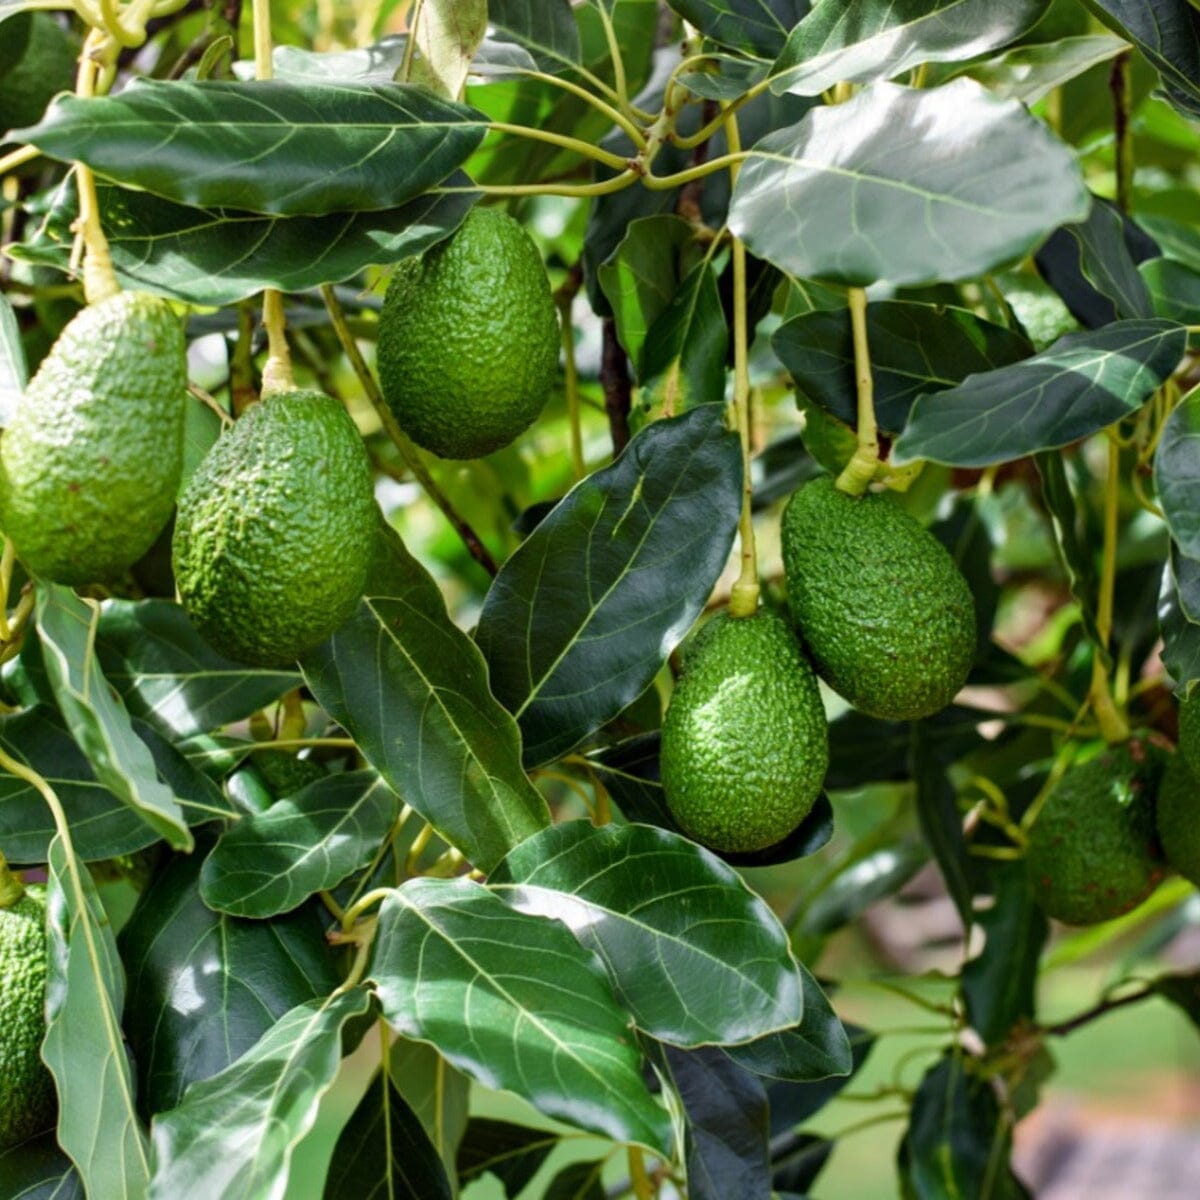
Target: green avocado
{"x":1093,"y":851}
{"x":284,"y":773}
{"x":468,"y":339}
{"x":27,"y":1096}
{"x":36,"y":63}
{"x":1178,"y":812}
{"x":1189,"y":731}
{"x":275,"y":530}
{"x":91,"y":461}
{"x":881,"y":606}
{"x":744,"y":740}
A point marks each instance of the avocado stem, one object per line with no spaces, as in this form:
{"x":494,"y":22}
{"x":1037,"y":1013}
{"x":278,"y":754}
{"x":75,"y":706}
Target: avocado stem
{"x":860,"y":470}
{"x":11,"y":888}
{"x":99,"y":278}
{"x":277,"y":371}
{"x":1113,"y":726}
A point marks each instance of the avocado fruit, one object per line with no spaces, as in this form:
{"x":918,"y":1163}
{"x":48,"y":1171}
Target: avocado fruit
{"x":90,"y":463}
{"x":880,"y":605}
{"x":1189,"y":730}
{"x":27,"y":1095}
{"x":1093,"y":851}
{"x":469,"y":339}
{"x":274,"y":534}
{"x":744,"y":740}
{"x":285,"y":774}
{"x":1178,"y":812}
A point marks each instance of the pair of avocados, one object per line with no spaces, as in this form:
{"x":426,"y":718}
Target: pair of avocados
{"x":886,"y":618}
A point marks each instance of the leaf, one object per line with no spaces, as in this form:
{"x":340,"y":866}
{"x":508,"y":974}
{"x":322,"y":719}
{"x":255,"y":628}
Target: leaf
{"x":758,"y":27}
{"x":1181,"y":638}
{"x":13,"y":372}
{"x":436,"y":1092}
{"x":546,"y":28}
{"x":579,"y":1181}
{"x":904,"y":186}
{"x":795,"y":1170}
{"x":999,"y":983}
{"x":85,"y":992}
{"x":515,"y":1002}
{"x":383,"y":1151}
{"x":915,"y":349}
{"x":690,"y":950}
{"x":1029,"y":73}
{"x":271,"y":862}
{"x":448,"y":34}
{"x":169,"y":676}
{"x":941,"y":822}
{"x":958,"y":1143}
{"x":585,"y":612}
{"x":1080,"y":385}
{"x":97,"y":718}
{"x":411,"y":689}
{"x":793,"y":1103}
{"x":512,"y":1153}
{"x":38,"y":1169}
{"x":1187,"y":581}
{"x":1182,"y":990}
{"x":204,"y":987}
{"x":233,"y":1134}
{"x":1177,"y":473}
{"x":265,"y":146}
{"x":856,"y":41}
{"x":1174,"y":290}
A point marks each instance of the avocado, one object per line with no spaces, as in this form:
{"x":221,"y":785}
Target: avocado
{"x":35,"y":65}
{"x":91,"y":461}
{"x":1189,"y":730}
{"x":275,"y":529}
{"x":881,"y":606}
{"x":744,"y":740}
{"x":468,"y":339}
{"x":284,"y":773}
{"x":27,"y":1096}
{"x":1093,"y":851}
{"x":1178,"y":812}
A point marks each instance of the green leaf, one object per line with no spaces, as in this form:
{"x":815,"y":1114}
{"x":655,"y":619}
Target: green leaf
{"x":546,"y":28}
{"x":266,"y":146}
{"x":941,"y":822}
{"x":437,"y":1092}
{"x":204,"y":987}
{"x":1174,"y":290}
{"x":38,"y":1169}
{"x":1030,"y":73}
{"x":97,"y":717}
{"x":579,"y":1181}
{"x":383,"y":1151}
{"x":793,"y":1103}
{"x":1181,"y":637}
{"x":233,"y":1135}
{"x":856,"y":41}
{"x":758,"y":27}
{"x":169,"y":676}
{"x":1082,"y":384}
{"x":915,"y":348}
{"x":85,"y":992}
{"x":905,"y":186}
{"x":220,"y":256}
{"x":515,"y":1002}
{"x":271,"y":862}
{"x":690,"y":950}
{"x":1178,"y":240}
{"x":412,"y":690}
{"x":1177,"y":473}
{"x":585,"y":612}
{"x":1182,"y":990}
{"x":512,"y":1153}
{"x":13,"y":372}
{"x":448,"y":33}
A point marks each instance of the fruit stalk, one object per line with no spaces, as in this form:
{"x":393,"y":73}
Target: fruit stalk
{"x":11,"y":888}
{"x":1113,"y":726}
{"x":99,"y":279}
{"x":860,"y":470}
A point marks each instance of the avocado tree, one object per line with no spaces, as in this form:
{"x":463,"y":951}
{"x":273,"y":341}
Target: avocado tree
{"x":523,"y":521}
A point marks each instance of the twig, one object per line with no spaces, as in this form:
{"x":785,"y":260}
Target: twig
{"x":618,"y":391}
{"x":1098,"y":1010}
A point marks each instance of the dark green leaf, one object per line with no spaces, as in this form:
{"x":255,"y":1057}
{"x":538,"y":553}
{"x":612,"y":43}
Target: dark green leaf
{"x":856,"y":41}
{"x":38,"y":1169}
{"x":513,"y":1153}
{"x":383,"y":1151}
{"x":1177,"y":240}
{"x":97,"y":717}
{"x":546,"y":28}
{"x":13,"y":372}
{"x":1174,"y":290}
{"x":579,"y":1181}
{"x":1187,"y":581}
{"x":585,"y":612}
{"x":265,"y":146}
{"x":1181,"y":637}
{"x":690,"y":950}
{"x":233,"y":1134}
{"x":915,"y":349}
{"x":1082,"y":384}
{"x":796,"y":1167}
{"x":98,"y":1123}
{"x":515,"y":1002}
{"x":871,"y":878}
{"x":758,"y":27}
{"x":906,"y":187}
{"x":272,"y":862}
{"x":1029,"y":73}
{"x":412,"y":690}
{"x":203,"y":987}
{"x":1182,"y":990}
{"x":941,"y":822}
{"x":792,"y":1103}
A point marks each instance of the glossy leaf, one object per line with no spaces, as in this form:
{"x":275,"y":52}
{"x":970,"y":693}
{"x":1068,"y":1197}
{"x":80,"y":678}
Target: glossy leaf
{"x":793,"y":1103}
{"x":447,"y":36}
{"x":13,"y":371}
{"x":204,"y":987}
{"x":545,"y":28}
{"x":1174,"y":290}
{"x":272,"y":862}
{"x":412,"y":690}
{"x":585,"y":612}
{"x":1181,"y":637}
{"x":514,"y":1001}
{"x":1177,"y":473}
{"x":38,"y":1169}
{"x":1031,"y":72}
{"x":795,"y":1169}
{"x":758,"y":27}
{"x":1080,"y":385}
{"x":856,"y":41}
{"x":690,"y":950}
{"x":1182,"y":990}
{"x":915,"y":349}
{"x":906,"y":186}
{"x":97,"y":718}
{"x":438,"y":1093}
{"x":383,"y":1151}
{"x":512,"y":1153}
{"x":233,"y":1134}
{"x":98,"y":1124}
{"x":265,"y":146}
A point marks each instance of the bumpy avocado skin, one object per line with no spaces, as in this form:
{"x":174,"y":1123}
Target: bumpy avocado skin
{"x":27,"y":1097}
{"x":90,"y":464}
{"x":1189,"y":731}
{"x":1178,"y":812}
{"x":884,"y":611}
{"x":285,"y":774}
{"x":274,"y":533}
{"x":468,"y":339}
{"x":744,"y":742}
{"x":1093,"y":851}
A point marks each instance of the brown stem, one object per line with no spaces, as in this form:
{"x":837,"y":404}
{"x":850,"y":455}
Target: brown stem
{"x":618,"y":390}
{"x":1118,"y":82}
{"x":688,"y":204}
{"x":1098,"y":1010}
